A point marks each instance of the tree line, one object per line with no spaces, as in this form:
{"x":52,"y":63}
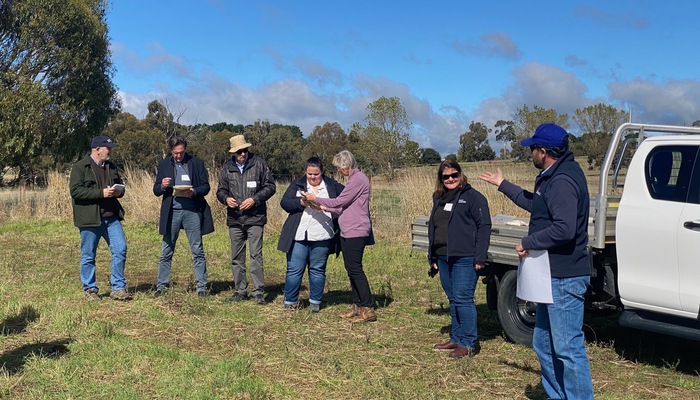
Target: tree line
{"x":380,"y":142}
{"x":57,"y":92}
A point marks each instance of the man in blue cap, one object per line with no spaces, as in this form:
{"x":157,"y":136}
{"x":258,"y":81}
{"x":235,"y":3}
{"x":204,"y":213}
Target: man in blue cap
{"x":95,"y":186}
{"x":559,"y":224}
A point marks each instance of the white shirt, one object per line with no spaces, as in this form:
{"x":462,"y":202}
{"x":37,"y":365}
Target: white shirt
{"x":315,"y":225}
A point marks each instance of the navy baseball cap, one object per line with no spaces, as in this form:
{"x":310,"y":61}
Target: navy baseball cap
{"x":548,"y":135}
{"x":102,"y":141}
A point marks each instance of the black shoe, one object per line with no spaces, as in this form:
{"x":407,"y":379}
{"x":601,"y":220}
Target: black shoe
{"x":260,"y":299}
{"x":159,"y":292}
{"x":236,"y":298}
{"x":201,"y":294}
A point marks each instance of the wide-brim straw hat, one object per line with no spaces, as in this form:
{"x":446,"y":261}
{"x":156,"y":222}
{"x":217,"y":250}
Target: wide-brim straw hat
{"x":238,"y":142}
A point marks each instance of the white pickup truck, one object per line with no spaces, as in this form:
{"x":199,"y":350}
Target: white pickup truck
{"x":644,"y":244}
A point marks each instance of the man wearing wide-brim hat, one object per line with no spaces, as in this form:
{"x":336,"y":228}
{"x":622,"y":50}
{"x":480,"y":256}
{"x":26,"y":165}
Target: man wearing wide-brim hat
{"x":245,"y":185}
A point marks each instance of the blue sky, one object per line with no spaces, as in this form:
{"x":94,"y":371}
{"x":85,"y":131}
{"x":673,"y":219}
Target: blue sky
{"x":305,"y":63}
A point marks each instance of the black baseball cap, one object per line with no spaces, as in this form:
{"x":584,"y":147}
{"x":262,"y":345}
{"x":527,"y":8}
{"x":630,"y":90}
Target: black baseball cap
{"x":102,"y":141}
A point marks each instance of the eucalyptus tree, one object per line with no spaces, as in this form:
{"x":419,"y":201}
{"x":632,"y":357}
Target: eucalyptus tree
{"x":384,"y":134}
{"x":56,"y":87}
{"x":597,"y":124}
{"x":505,"y":133}
{"x":325,"y":142}
{"x":430,"y":156}
{"x":474,"y":144}
{"x":526,"y":121}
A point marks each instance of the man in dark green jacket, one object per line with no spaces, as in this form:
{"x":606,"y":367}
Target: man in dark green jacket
{"x":95,"y":186}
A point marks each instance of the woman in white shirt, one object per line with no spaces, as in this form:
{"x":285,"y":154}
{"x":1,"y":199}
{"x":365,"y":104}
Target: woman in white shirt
{"x":308,"y":235}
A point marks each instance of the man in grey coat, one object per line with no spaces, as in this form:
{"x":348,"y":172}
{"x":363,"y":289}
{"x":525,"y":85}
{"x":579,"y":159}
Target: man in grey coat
{"x":245,"y":185}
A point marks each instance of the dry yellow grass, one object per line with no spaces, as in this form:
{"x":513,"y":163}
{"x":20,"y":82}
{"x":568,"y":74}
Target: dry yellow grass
{"x":395,"y":204}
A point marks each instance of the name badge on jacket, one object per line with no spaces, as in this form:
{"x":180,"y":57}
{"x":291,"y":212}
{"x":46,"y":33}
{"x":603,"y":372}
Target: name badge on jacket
{"x":251,"y":184}
{"x":448,"y":207}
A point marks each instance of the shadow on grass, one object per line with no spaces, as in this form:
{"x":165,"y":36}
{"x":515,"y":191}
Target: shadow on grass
{"x":535,"y":392}
{"x":488,"y":325}
{"x":638,"y":346}
{"x":18,"y":323}
{"x":142,"y":288}
{"x":216,"y":287}
{"x":338,"y":297}
{"x":13,"y":361}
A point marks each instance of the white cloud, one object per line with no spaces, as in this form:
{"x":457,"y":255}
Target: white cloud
{"x":211,"y":98}
{"x":674,"y":102}
{"x":156,"y":58}
{"x":495,"y":44}
{"x":214,"y":99}
{"x":628,"y":20}
{"x":534,"y":84}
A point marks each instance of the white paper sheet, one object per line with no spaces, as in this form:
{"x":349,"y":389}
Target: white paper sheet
{"x":535,"y":278}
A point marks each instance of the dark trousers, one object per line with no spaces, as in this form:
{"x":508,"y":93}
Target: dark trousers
{"x":353,"y":249}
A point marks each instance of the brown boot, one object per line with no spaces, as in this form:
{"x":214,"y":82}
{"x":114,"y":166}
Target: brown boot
{"x":366,"y":314}
{"x":446,"y":346}
{"x":350,"y":314}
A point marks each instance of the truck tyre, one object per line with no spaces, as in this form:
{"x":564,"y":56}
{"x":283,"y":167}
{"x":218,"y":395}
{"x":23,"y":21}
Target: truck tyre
{"x":517,"y":316}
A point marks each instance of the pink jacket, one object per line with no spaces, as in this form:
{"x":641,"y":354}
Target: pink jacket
{"x":352,"y":205}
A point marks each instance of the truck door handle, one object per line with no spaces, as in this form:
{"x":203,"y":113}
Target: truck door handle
{"x":691,"y":225}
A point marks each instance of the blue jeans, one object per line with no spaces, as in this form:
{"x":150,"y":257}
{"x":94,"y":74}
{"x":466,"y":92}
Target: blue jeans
{"x":559,"y":342}
{"x":315,"y":254}
{"x":458,"y":278}
{"x":189,"y":221}
{"x":111,"y":230}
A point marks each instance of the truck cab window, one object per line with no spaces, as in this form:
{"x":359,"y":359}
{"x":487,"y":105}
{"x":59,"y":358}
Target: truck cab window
{"x":668,"y":172}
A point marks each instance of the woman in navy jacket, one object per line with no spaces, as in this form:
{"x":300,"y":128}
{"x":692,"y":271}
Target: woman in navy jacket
{"x":308,"y":235}
{"x":458,"y":235}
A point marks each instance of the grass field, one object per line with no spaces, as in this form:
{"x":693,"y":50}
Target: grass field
{"x":54,"y":345}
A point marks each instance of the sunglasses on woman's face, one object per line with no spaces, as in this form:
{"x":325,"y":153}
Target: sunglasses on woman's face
{"x":454,"y":175}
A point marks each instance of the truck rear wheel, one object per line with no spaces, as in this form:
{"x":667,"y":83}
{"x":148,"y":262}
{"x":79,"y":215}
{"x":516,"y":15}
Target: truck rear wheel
{"x":517,"y":316}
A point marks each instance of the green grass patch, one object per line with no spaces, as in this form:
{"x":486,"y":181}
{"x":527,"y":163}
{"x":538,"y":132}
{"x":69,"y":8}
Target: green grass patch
{"x":55,"y":345}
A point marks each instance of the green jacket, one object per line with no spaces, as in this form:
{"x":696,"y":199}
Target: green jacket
{"x":86,"y":193}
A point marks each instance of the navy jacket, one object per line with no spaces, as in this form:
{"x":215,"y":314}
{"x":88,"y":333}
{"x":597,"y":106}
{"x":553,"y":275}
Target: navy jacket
{"x":559,"y":210}
{"x":469,"y":228}
{"x":200,"y":185}
{"x":290,"y":203}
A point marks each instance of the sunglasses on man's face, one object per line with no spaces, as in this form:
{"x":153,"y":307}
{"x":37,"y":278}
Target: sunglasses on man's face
{"x":453,"y":175}
{"x":241,"y":151}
